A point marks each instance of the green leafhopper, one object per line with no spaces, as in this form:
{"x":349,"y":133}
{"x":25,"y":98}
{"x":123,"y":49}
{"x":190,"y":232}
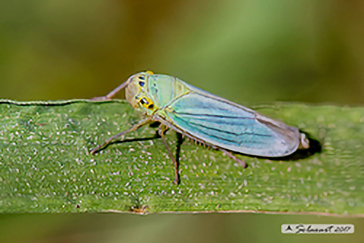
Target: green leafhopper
{"x":205,"y":118}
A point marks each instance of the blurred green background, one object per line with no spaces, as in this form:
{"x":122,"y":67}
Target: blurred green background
{"x":244,"y":50}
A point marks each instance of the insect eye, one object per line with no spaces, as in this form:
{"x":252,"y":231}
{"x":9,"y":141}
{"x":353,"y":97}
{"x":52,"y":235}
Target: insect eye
{"x":141,"y":83}
{"x":144,"y":101}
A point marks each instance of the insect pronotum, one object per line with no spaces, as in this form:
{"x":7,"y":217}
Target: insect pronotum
{"x":205,"y":118}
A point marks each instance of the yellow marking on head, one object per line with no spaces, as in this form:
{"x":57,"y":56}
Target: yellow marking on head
{"x":149,"y":72}
{"x":146,"y":102}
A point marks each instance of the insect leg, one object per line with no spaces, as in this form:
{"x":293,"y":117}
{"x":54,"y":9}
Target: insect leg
{"x":161,"y":130}
{"x":230,"y":154}
{"x":133,"y":128}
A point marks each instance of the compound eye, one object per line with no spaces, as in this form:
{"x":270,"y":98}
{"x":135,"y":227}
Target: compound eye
{"x":141,"y":80}
{"x":144,"y":101}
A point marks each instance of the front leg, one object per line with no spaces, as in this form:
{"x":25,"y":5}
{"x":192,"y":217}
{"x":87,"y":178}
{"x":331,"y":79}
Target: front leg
{"x":133,"y":128}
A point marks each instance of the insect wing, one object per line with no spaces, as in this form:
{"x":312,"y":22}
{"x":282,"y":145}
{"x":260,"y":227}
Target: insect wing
{"x":231,"y":126}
